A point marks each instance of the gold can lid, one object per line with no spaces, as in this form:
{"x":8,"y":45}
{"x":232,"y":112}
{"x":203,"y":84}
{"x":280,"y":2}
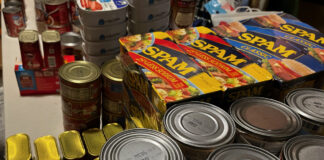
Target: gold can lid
{"x":71,"y":145}
{"x":51,"y":36}
{"x":112,"y":70}
{"x":18,"y":147}
{"x":94,"y":139}
{"x":111,"y":129}
{"x":28,"y":36}
{"x":79,"y":72}
{"x":46,"y":148}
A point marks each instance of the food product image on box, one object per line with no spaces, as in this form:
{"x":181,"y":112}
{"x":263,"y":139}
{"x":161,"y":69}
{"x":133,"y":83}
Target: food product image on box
{"x":229,"y":66}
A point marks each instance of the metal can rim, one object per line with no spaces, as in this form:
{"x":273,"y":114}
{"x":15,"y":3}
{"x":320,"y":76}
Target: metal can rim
{"x":71,"y":44}
{"x":107,"y":71}
{"x":48,"y":40}
{"x":22,"y":39}
{"x":93,"y":76}
{"x":11,"y":9}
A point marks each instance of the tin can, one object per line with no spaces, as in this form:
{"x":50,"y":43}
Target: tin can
{"x":115,"y":107}
{"x":111,"y":129}
{"x":81,"y":109}
{"x":71,"y":45}
{"x":52,"y":49}
{"x":40,"y":15}
{"x":71,"y":123}
{"x":71,"y":145}
{"x":57,"y":15}
{"x":80,"y":81}
{"x":18,"y":4}
{"x":198,"y":128}
{"x":108,"y":117}
{"x":239,"y":152}
{"x":18,"y":147}
{"x":141,"y":144}
{"x":112,"y":76}
{"x":264,"y":122}
{"x":46,"y":148}
{"x":309,"y":104}
{"x":93,"y":139}
{"x":303,"y":147}
{"x":30,"y":50}
{"x":14,"y":20}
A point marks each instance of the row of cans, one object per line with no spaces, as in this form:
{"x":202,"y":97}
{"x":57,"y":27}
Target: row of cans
{"x":72,"y":144}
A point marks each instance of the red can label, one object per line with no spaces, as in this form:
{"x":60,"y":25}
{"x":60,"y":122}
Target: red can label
{"x":14,"y":23}
{"x":81,"y":110}
{"x":57,"y":15}
{"x":31,"y":56}
{"x":52,"y":55}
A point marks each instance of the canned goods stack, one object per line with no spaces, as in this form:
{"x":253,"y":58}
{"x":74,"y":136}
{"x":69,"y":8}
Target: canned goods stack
{"x":57,"y":15}
{"x":148,"y":16}
{"x":102,"y":23}
{"x":80,"y":86}
{"x":112,"y":108}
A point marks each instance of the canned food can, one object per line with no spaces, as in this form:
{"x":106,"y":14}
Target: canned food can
{"x":14,"y":20}
{"x":93,"y":139}
{"x":303,"y":147}
{"x":239,"y":152}
{"x":108,"y":117}
{"x":81,"y":109}
{"x":112,"y":75}
{"x":71,"y":45}
{"x":18,"y":147}
{"x":309,"y":104}
{"x":111,"y":129}
{"x":141,"y":144}
{"x":71,"y":145}
{"x":52,"y":49}
{"x":80,"y":81}
{"x":57,"y":13}
{"x":46,"y":148}
{"x":19,"y":4}
{"x":115,"y":107}
{"x":264,"y":122}
{"x":199,"y":128}
{"x":71,"y":123}
{"x":30,"y":50}
{"x":40,"y":15}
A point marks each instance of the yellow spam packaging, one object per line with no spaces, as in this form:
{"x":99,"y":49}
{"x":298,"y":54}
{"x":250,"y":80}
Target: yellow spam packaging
{"x":46,"y":148}
{"x":18,"y":147}
{"x":229,"y":66}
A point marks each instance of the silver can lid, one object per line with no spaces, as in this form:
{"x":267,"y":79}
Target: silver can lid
{"x":241,"y":152}
{"x":71,"y":39}
{"x":306,"y":147}
{"x":141,"y":144}
{"x":199,"y":124}
{"x":308,"y":103}
{"x":11,"y":9}
{"x":265,"y":117}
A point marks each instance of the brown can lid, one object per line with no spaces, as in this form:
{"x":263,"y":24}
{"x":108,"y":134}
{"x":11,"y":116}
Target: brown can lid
{"x":54,"y":2}
{"x":51,"y":36}
{"x":113,"y":70}
{"x":79,"y":72}
{"x":28,"y":36}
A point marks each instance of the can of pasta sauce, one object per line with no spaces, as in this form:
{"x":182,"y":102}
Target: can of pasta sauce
{"x":309,"y":104}
{"x":112,"y":77}
{"x":52,"y":49}
{"x":71,"y":45}
{"x":57,"y":15}
{"x":14,"y":20}
{"x":80,"y":81}
{"x":30,"y":50}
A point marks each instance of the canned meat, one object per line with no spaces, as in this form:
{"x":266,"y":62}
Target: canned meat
{"x":81,"y":109}
{"x":111,"y":129}
{"x":71,"y":145}
{"x":141,"y":144}
{"x":112,"y":75}
{"x":71,"y":45}
{"x":52,"y":49}
{"x":264,"y":122}
{"x":46,"y":148}
{"x":71,"y":123}
{"x":93,"y":139}
{"x":80,"y":81}
{"x":30,"y":50}
{"x":112,"y":106}
{"x":309,"y":104}
{"x":14,"y":20}
{"x":18,"y":147}
{"x":57,"y":15}
{"x":198,"y":128}
{"x":18,"y":4}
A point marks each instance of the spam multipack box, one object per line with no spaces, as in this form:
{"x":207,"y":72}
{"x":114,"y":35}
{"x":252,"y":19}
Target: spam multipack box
{"x":158,"y":72}
{"x":236,"y":71}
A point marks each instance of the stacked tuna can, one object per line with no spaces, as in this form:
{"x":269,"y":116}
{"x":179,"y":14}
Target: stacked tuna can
{"x":102,"y":23}
{"x":148,"y":16}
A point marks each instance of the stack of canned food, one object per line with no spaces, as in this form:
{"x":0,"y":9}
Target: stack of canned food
{"x":102,"y":23}
{"x":14,"y":17}
{"x":148,"y":16}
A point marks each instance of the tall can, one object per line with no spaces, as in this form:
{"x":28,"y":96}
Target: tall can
{"x":14,"y":20}
{"x":52,"y":49}
{"x":40,"y":15}
{"x":112,"y":76}
{"x":183,"y":12}
{"x":58,"y":15}
{"x":30,"y":50}
{"x":19,"y":4}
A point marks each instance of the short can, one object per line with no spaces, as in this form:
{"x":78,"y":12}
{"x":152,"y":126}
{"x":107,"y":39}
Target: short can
{"x":108,"y":117}
{"x":46,"y":148}
{"x":303,"y":147}
{"x":239,"y":152}
{"x":198,"y":128}
{"x":71,"y":45}
{"x":152,"y":26}
{"x":13,"y":17}
{"x":101,"y":48}
{"x":18,"y":147}
{"x":71,"y":123}
{"x":309,"y":104}
{"x":115,"y":107}
{"x":57,"y":13}
{"x":71,"y":145}
{"x":104,"y":33}
{"x":30,"y":50}
{"x":80,"y":81}
{"x":112,"y":76}
{"x":148,"y":14}
{"x":93,"y":139}
{"x":19,"y":4}
{"x":141,"y":144}
{"x":264,"y":122}
{"x":52,"y":49}
{"x":81,"y":109}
